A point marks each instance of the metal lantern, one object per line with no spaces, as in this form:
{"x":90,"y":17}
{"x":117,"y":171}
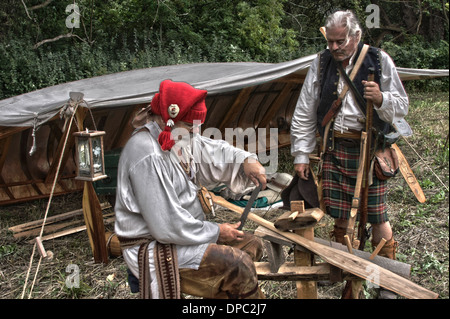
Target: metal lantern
{"x":90,"y":155}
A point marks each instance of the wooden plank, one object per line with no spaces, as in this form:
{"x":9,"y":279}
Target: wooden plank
{"x":71,"y":231}
{"x":344,"y":260}
{"x":48,"y":229}
{"x":289,"y":272}
{"x":51,"y":219}
{"x":64,"y":233}
{"x":408,"y":175}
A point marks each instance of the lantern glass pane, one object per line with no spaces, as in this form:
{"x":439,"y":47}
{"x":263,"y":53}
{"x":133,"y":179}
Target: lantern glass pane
{"x":97,"y":155}
{"x":84,"y":160}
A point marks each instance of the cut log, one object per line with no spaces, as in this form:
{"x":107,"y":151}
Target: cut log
{"x":344,"y":260}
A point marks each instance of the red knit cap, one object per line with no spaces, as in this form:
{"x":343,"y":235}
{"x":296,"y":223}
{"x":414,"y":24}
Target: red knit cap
{"x":177,"y":101}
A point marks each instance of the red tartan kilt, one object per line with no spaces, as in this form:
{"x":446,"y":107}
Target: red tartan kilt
{"x":340,"y":168}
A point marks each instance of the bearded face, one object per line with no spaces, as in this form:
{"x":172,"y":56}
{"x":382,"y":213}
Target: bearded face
{"x":341,"y":45}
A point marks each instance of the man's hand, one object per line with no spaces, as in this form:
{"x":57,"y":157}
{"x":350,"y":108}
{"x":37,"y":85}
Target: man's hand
{"x":255,"y":171}
{"x":302,"y":170}
{"x":372,"y":92}
{"x":229,"y":233}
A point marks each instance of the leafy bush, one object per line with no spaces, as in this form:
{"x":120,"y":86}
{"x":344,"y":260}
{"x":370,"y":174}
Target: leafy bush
{"x":117,"y":36}
{"x":414,"y":52}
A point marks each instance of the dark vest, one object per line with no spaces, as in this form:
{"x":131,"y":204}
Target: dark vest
{"x":329,"y":78}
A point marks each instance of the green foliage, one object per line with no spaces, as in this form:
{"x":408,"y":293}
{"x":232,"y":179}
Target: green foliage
{"x":123,"y":35}
{"x":7,"y":250}
{"x":261,"y":30}
{"x":414,"y":52}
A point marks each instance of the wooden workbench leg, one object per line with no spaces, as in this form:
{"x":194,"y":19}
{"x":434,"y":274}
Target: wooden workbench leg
{"x":305,"y":289}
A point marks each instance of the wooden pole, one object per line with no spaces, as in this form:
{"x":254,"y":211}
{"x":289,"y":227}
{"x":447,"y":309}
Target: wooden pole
{"x":95,"y":228}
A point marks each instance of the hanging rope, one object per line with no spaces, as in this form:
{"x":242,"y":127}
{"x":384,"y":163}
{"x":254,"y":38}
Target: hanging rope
{"x":73,"y":111}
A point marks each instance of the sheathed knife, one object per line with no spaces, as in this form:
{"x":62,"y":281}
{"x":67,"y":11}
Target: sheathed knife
{"x":249,"y":205}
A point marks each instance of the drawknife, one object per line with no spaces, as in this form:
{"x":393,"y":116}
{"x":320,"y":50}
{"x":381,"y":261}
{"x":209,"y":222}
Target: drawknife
{"x":249,"y":205}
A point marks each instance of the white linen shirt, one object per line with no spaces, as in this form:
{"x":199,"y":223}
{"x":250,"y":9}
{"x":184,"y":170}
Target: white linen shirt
{"x":154,"y":195}
{"x":304,"y":121}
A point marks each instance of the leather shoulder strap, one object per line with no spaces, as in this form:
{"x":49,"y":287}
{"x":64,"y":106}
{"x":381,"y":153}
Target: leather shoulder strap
{"x":355,"y":70}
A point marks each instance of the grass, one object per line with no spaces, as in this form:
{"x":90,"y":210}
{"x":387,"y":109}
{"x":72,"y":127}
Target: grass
{"x":422,"y":230}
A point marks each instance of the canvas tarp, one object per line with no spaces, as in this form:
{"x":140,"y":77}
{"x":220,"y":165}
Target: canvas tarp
{"x":139,"y":86}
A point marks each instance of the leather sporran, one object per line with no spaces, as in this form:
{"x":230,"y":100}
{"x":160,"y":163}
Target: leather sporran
{"x":386,"y":163}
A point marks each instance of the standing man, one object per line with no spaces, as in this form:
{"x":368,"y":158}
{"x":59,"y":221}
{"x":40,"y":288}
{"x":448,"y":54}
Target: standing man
{"x":165,"y":239}
{"x":321,"y":88}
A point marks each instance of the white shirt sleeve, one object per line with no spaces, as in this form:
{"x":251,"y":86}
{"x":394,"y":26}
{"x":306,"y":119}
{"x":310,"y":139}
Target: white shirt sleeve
{"x":304,"y":120}
{"x":395,"y":100}
{"x":219,"y":162}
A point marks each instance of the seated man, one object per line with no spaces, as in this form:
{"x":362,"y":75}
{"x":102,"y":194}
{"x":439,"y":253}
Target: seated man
{"x":166,"y":241}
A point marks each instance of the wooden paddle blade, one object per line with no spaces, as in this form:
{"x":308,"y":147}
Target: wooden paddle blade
{"x":408,"y":175}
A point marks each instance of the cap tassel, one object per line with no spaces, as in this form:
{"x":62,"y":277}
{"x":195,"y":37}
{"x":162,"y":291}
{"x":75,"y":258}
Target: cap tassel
{"x":165,"y":137}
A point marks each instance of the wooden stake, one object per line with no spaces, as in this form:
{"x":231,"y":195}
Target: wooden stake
{"x":293,"y":215}
{"x":378,"y":248}
{"x":53,"y":219}
{"x":40,"y":247}
{"x":348,"y":243}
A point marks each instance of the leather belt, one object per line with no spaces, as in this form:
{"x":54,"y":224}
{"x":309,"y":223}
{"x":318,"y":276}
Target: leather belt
{"x":348,"y":139}
{"x":351,"y":134}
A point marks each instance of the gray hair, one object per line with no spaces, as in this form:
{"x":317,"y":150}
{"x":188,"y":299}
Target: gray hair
{"x":345,"y":19}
